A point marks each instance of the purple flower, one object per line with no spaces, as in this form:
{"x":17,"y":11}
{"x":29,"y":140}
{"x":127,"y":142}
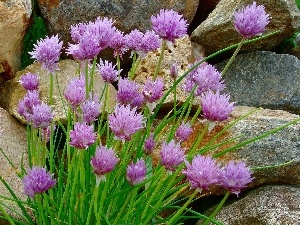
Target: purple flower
{"x":171,"y":155}
{"x":202,"y":172}
{"x":150,"y":42}
{"x":90,"y":110}
{"x":216,"y":107}
{"x":91,"y":38}
{"x":153,"y":90}
{"x":103,"y":162}
{"x":251,"y":21}
{"x":118,"y":43}
{"x":25,"y":105}
{"x":75,"y":91}
{"x":136,"y":173}
{"x":127,"y":91}
{"x":134,"y":39}
{"x":47,"y":52}
{"x":169,"y":25}
{"x":125,"y":121}
{"x":183,"y":131}
{"x":207,"y":78}
{"x":235,"y":176}
{"x":82,"y":136}
{"x":174,"y":70}
{"x":29,"y":81}
{"x":37,"y":181}
{"x":149,"y":144}
{"x":46,"y":133}
{"x":108,"y":72}
{"x":41,"y":115}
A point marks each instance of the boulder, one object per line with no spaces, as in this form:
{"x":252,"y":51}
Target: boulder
{"x":128,"y":15}
{"x":14,"y":20}
{"x":264,"y":79}
{"x":12,"y":91}
{"x":268,"y":205}
{"x":218,"y":32}
{"x":13,"y":142}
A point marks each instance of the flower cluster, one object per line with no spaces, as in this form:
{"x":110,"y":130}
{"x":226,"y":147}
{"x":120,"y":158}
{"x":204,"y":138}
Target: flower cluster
{"x":204,"y":172}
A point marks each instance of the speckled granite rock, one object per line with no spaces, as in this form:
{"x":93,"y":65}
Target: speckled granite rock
{"x":60,"y":15}
{"x":269,"y":205}
{"x":264,"y":79}
{"x":11,"y":91}
{"x":218,"y":32}
{"x":13,"y":141}
{"x":14,"y":19}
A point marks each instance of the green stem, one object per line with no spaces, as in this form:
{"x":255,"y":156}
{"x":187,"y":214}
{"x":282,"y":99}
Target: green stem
{"x":198,"y":140}
{"x":217,"y":209}
{"x":179,"y":212}
{"x":6,"y":215}
{"x":233,"y":56}
{"x":175,"y":100}
{"x":163,"y":47}
{"x":51,"y":90}
{"x":87,"y":78}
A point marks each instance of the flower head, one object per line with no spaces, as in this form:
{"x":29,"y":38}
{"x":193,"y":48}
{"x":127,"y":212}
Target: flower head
{"x":251,"y":21}
{"x":174,"y":70}
{"x":183,"y":131}
{"x":171,"y":155}
{"x":169,"y":25}
{"x":153,"y":90}
{"x":150,"y":42}
{"x":90,"y":110}
{"x":26,"y":104}
{"x":37,"y":181}
{"x":104,"y":161}
{"x":75,"y":91}
{"x":149,"y":144}
{"x":136,"y":173}
{"x":82,"y":136}
{"x":134,"y":39}
{"x":47,"y":52}
{"x":125,"y":121}
{"x":127,"y":91}
{"x":207,"y":78}
{"x":41,"y":115}
{"x":29,"y":81}
{"x":216,"y":107}
{"x":118,"y":43}
{"x":202,"y":172}
{"x":108,"y":72}
{"x":235,"y":176}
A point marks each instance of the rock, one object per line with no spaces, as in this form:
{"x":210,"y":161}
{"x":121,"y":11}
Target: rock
{"x":180,"y":53}
{"x":128,"y":15}
{"x":13,"y":141}
{"x":269,"y":205}
{"x":218,"y":32}
{"x":264,"y":79}
{"x":14,"y":19}
{"x":11,"y":91}
{"x":276,"y":149}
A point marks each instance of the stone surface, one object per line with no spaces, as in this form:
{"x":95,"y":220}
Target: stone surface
{"x":269,"y":205}
{"x":218,"y":32}
{"x":14,"y":19}
{"x":276,"y":149}
{"x":11,"y":91}
{"x":128,"y":15}
{"x":13,"y":141}
{"x":264,"y":79}
{"x":180,"y":53}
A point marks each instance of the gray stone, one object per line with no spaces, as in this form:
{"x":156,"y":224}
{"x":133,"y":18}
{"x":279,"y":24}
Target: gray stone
{"x":12,"y":91}
{"x":14,"y":20}
{"x":128,"y":15}
{"x":269,"y":205}
{"x":218,"y":32}
{"x":264,"y":79}
{"x":13,"y":141}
